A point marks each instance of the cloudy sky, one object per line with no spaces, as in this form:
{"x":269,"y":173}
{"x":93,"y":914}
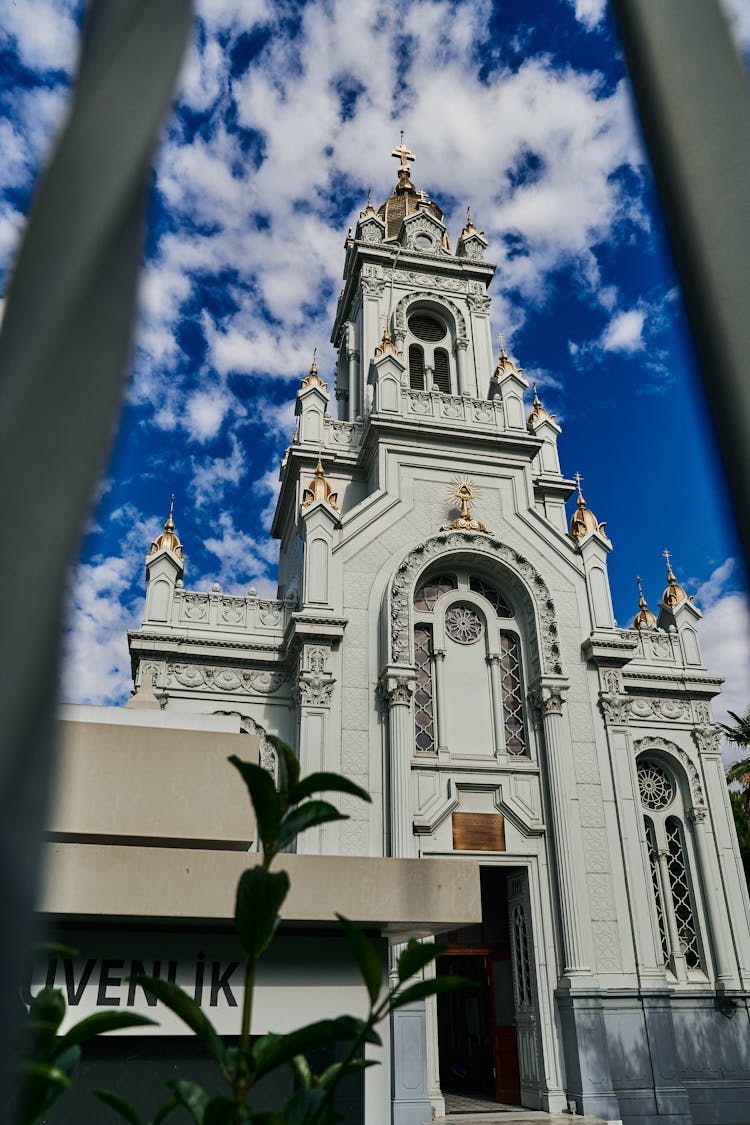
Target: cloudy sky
{"x":286,"y":114}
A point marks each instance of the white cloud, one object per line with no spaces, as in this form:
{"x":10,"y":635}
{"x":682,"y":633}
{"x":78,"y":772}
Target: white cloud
{"x":725,"y":643}
{"x":212,"y":475}
{"x":738,"y":15}
{"x":243,"y":560}
{"x":44,"y":32}
{"x":624,"y":333}
{"x":589,"y":12}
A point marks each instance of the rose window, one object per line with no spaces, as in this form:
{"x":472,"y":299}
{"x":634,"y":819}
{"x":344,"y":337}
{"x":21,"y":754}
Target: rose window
{"x":463,"y":624}
{"x":655,"y":787}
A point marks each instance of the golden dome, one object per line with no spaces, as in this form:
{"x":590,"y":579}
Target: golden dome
{"x":319,"y":489}
{"x":313,"y":379}
{"x":169,"y":540}
{"x":583,"y":521}
{"x":406,"y":199}
{"x":644,"y":618}
{"x":538,"y":413}
{"x":674,"y":593}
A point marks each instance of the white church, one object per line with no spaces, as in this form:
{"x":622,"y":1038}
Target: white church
{"x":444,"y":636}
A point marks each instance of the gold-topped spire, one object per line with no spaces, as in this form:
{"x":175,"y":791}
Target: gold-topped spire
{"x":313,"y":379}
{"x":387,"y":345}
{"x":369,"y":209}
{"x":583,"y":521}
{"x":538,"y":413}
{"x":465,"y":491}
{"x":644,"y":618}
{"x":404,"y":155}
{"x":319,"y":489}
{"x":674,"y":593}
{"x":169,"y":540}
{"x":504,"y":362}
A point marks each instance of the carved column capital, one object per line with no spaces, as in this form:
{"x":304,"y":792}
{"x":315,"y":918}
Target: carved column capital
{"x":708,"y":738}
{"x":315,"y":684}
{"x":396,"y":691}
{"x":696,"y":814}
{"x":615,"y":708}
{"x":548,"y":698}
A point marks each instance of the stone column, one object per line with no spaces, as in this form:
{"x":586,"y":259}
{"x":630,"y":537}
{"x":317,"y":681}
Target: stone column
{"x":726,"y":972}
{"x":493,"y":660}
{"x":570,"y":866}
{"x":461,"y":367}
{"x":397,"y":689}
{"x":439,"y":702}
{"x":352,"y":356}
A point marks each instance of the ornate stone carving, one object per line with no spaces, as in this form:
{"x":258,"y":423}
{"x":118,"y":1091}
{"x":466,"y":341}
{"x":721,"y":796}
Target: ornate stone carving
{"x":615,"y":708}
{"x":195,"y":607}
{"x":315,"y":685}
{"x":478,"y":304}
{"x":548,"y":699}
{"x":670,"y":710}
{"x":233,"y":610}
{"x":373,"y":283}
{"x":269,"y":613}
{"x":409,"y":278}
{"x":696,"y":815}
{"x":371,"y":231}
{"x":242,"y":681}
{"x":400,"y":313}
{"x":708,"y":739}
{"x":660,"y":645}
{"x":654,"y":742}
{"x":403,"y":584}
{"x":612,"y":680}
{"x":702,"y":712}
{"x":396,"y":690}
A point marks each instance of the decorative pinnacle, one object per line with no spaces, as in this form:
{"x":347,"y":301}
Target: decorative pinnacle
{"x":670,"y":576}
{"x":169,"y":525}
{"x":641,"y":599}
{"x":501,"y":338}
{"x":314,"y":366}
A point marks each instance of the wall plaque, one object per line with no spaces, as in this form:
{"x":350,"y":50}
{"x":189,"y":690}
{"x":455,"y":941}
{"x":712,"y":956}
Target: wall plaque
{"x":478,"y":832}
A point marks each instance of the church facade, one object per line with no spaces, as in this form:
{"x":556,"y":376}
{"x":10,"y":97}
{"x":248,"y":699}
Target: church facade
{"x":444,"y":636}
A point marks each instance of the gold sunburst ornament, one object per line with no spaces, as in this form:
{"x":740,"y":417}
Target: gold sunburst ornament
{"x":465,"y":492}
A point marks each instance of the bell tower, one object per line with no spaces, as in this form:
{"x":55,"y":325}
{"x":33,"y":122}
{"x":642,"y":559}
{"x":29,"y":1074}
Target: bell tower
{"x":409,"y":295}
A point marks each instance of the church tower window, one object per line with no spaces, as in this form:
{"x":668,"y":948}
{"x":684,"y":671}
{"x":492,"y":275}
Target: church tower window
{"x":423,"y":695}
{"x":430,"y":366}
{"x":416,"y":367}
{"x":669,"y":864}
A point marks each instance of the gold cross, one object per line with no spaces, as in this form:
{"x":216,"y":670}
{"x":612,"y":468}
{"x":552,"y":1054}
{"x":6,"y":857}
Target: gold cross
{"x":403,"y":154}
{"x":578,"y":478}
{"x":668,"y":557}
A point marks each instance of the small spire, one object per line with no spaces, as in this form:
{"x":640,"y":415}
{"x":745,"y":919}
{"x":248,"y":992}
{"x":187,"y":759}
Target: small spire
{"x":538,"y":413}
{"x":644,"y":618}
{"x":169,"y":540}
{"x":369,"y":209}
{"x":318,"y":488}
{"x":387,"y":345}
{"x":504,"y":362}
{"x":404,"y":155}
{"x":674,"y":593}
{"x":312,"y":379}
{"x":583,"y":521}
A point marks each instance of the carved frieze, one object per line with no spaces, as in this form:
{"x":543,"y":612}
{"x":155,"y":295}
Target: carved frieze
{"x":668,"y":710}
{"x":243,"y":681}
{"x":430,"y":280}
{"x":195,"y":606}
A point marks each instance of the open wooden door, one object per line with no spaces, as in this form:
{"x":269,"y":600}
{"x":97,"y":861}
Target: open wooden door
{"x":504,"y":1040}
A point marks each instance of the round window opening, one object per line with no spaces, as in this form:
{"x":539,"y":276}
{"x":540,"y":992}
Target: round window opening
{"x":655,"y":787}
{"x":423,"y":242}
{"x":463,"y":624}
{"x":426,"y":327}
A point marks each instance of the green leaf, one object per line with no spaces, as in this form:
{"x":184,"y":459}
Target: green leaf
{"x":259,"y":1117}
{"x":301,"y":1068}
{"x":99,"y":1024}
{"x":415,"y":956}
{"x":41,"y":1085}
{"x":331,"y":1076}
{"x":164,"y":1111}
{"x":304,"y":1106}
{"x":264,"y":797}
{"x":326,"y":783}
{"x":288,"y":764}
{"x":306,"y":816}
{"x":274,"y":1050}
{"x":173,"y":997}
{"x":366,"y":956}
{"x":53,"y":949}
{"x":191,"y":1097}
{"x":428,"y":988}
{"x":260,"y":894}
{"x":119,"y":1105}
{"x":48,"y":1007}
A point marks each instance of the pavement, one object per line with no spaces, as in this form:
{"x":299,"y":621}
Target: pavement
{"x":462,"y":1110}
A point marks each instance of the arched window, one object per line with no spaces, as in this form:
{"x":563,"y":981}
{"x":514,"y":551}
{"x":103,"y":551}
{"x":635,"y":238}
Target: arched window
{"x":430,"y":362}
{"x":416,"y":367}
{"x":469,"y":697}
{"x":669,"y":863}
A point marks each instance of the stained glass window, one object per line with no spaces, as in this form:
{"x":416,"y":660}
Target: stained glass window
{"x":653,"y":863}
{"x":681,"y":895}
{"x":496,"y":600}
{"x":511,"y":690}
{"x":424,"y":695}
{"x":429,"y":591}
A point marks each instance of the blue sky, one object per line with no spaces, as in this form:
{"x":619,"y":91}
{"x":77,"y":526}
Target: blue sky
{"x":285,"y":115}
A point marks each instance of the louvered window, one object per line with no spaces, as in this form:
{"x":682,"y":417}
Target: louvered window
{"x":427,"y":328}
{"x":442,"y":373}
{"x":416,"y":368}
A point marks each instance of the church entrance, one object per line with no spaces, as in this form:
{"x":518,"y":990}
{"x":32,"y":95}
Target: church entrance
{"x":478,"y":1042}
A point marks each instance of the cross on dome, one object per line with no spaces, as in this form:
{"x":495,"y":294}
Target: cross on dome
{"x":403,"y":154}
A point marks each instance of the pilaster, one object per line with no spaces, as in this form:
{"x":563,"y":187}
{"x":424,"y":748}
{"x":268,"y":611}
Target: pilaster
{"x":397,"y":689}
